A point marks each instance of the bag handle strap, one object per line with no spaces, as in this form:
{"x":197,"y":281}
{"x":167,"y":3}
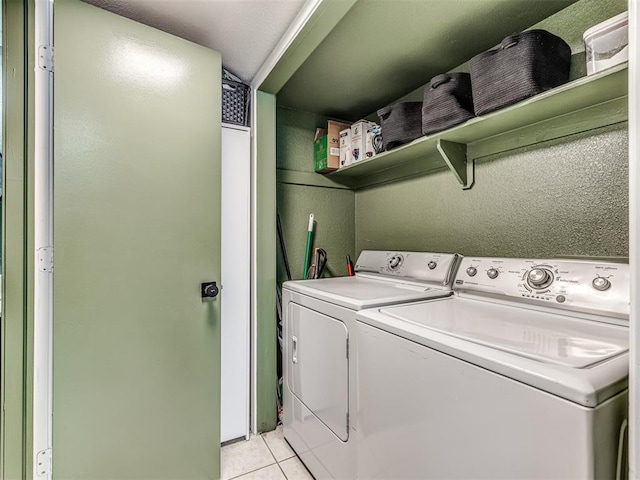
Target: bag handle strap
{"x":510,"y":41}
{"x":439,"y":80}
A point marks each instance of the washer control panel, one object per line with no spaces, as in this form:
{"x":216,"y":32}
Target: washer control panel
{"x":581,"y":285}
{"x":436,"y":268}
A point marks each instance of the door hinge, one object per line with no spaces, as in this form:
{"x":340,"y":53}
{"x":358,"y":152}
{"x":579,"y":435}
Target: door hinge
{"x":43,"y":463}
{"x":347,"y":422}
{"x":45,"y":57}
{"x":45,"y":259}
{"x":347,"y":348}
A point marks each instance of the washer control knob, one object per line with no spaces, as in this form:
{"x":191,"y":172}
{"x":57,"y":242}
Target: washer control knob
{"x":493,"y":273}
{"x":395,"y":261}
{"x":601,"y":284}
{"x":539,"y":278}
{"x":432,"y":265}
{"x":471,"y":271}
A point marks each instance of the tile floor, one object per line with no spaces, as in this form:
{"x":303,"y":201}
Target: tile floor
{"x":262,"y":457}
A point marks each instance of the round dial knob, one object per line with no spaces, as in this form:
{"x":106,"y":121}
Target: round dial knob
{"x":601,"y":283}
{"x":471,"y":271}
{"x":432,"y":265}
{"x":493,"y":273}
{"x":395,"y":261}
{"x":539,"y":278}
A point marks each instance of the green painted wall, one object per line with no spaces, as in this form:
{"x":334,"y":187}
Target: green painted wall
{"x":333,"y":208}
{"x":414,"y":40}
{"x":266,"y":336}
{"x":560,"y":198}
{"x":563,"y":197}
{"x":569,"y":24}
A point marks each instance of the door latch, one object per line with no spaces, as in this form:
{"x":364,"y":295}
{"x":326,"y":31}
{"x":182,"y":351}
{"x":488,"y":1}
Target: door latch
{"x":209,"y":290}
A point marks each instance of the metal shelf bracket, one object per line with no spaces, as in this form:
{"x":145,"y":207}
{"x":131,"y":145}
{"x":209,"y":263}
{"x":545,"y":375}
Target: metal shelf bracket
{"x":455,"y":156}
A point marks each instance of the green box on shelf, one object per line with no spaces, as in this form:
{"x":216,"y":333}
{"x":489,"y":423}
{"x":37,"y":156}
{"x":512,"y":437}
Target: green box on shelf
{"x":320,"y":155}
{"x":326,"y":147}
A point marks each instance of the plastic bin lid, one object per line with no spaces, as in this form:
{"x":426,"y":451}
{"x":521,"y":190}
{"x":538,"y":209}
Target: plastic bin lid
{"x":606,"y":26}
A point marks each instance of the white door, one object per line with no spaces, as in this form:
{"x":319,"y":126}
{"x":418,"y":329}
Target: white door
{"x":236,"y":174}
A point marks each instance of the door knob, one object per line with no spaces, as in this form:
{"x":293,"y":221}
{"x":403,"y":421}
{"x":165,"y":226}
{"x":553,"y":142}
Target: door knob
{"x":209,"y":290}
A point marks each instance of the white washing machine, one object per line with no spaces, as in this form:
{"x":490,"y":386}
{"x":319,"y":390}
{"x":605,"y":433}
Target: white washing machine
{"x":522,"y":374}
{"x":320,"y":348}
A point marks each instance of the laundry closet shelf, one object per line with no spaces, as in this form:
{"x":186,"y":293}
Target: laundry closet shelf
{"x":578,"y":106}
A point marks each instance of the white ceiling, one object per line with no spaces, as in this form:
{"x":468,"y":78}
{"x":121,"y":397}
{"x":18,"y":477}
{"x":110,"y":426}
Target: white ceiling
{"x":243,"y":31}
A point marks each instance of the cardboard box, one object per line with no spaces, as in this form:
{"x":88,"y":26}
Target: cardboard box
{"x":359,"y":139}
{"x":346,"y":157}
{"x":373,"y":145}
{"x":326,"y":148}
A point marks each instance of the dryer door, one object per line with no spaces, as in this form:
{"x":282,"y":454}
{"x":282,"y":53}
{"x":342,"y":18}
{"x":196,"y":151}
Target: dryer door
{"x":319,"y":366}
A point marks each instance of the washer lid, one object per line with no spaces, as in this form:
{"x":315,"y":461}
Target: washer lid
{"x":545,"y":337}
{"x":360,"y":292}
{"x":584,"y":361}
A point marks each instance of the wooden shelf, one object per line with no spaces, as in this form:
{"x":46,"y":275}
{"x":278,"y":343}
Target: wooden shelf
{"x":578,"y":106}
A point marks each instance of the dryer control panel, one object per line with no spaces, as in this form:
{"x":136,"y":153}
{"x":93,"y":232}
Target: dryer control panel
{"x":424,"y":267}
{"x":581,"y":285}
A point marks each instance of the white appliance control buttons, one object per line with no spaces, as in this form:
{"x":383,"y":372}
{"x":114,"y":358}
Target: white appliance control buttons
{"x":601,"y":284}
{"x":432,"y":265}
{"x":395,"y":261}
{"x":493,"y":273}
{"x":589,"y":286}
{"x":539,"y":278}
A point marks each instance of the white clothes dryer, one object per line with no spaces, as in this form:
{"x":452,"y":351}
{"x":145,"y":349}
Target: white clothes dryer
{"x":522,"y":374}
{"x":320,"y":348}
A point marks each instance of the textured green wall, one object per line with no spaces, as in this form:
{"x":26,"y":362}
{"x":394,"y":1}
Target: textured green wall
{"x":569,"y":24}
{"x":564,"y":197}
{"x":333,"y":211}
{"x":333,"y":208}
{"x":294,"y":147}
{"x":559,"y":198}
{"x":572,"y":22}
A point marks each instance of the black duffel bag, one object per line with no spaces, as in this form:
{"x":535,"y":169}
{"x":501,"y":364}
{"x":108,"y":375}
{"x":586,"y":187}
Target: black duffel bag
{"x":526,"y":64}
{"x":447,"y":101}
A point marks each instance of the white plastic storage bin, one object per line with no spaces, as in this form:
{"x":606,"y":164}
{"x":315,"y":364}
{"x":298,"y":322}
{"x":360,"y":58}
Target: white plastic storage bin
{"x":607,"y":44}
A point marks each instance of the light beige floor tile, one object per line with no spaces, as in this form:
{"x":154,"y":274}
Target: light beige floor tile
{"x":272,"y":472}
{"x":295,"y":470}
{"x":278,"y":445}
{"x":244,"y":457}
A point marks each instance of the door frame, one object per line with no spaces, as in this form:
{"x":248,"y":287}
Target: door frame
{"x":42,"y":173}
{"x":634,"y":239}
{"x":17,"y":240}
